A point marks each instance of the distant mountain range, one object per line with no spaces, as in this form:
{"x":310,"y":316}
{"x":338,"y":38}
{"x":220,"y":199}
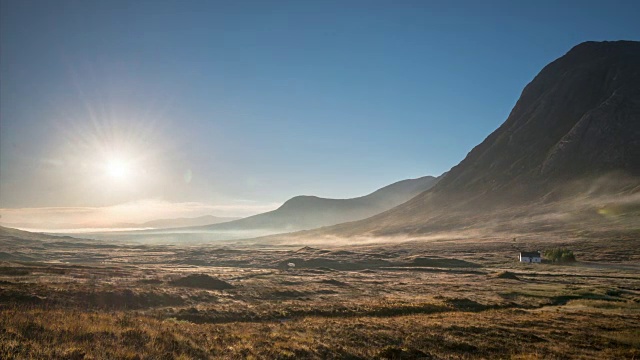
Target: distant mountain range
{"x":297,"y":213}
{"x":308,"y":212}
{"x":184,"y":222}
{"x":302,"y":213}
{"x":570,"y":147}
{"x":159,"y":223}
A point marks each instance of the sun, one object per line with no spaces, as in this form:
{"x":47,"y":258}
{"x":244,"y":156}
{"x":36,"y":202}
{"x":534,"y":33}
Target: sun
{"x":118,"y":169}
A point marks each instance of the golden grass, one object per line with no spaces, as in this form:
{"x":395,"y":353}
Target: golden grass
{"x":442,"y":300}
{"x":515,"y":334}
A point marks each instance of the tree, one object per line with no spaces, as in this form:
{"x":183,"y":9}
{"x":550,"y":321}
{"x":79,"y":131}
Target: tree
{"x":559,"y":255}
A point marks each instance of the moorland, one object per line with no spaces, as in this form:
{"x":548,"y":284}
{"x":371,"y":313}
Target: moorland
{"x":71,"y":298}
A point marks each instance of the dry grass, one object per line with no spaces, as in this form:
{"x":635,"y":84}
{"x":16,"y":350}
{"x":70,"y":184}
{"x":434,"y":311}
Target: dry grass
{"x":439,"y":300}
{"x":490,"y":334}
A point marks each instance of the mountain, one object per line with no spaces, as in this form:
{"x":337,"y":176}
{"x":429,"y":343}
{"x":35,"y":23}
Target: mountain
{"x":298,"y":213}
{"x":577,"y":118}
{"x":11,"y":239}
{"x":88,"y":227}
{"x":15,"y":234}
{"x":184,"y":222}
{"x":308,"y":212}
{"x":569,"y":149}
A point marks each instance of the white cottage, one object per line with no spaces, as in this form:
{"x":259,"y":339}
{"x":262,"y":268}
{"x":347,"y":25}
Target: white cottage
{"x":530,"y":257}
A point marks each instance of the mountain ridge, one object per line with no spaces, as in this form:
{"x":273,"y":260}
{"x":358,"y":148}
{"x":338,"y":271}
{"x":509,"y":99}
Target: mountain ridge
{"x":166,"y":223}
{"x":306,"y":212}
{"x":581,"y":70}
{"x":186,"y":221}
{"x":573,"y":133}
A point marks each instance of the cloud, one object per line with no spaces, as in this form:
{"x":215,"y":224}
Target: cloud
{"x":130,"y":213}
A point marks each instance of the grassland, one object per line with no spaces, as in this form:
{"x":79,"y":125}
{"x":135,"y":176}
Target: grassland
{"x":66,"y":298}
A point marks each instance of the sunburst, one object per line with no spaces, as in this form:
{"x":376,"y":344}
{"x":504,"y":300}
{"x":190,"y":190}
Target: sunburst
{"x":118,"y":169}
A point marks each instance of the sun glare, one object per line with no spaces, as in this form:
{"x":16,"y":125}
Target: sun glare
{"x":118,"y":169}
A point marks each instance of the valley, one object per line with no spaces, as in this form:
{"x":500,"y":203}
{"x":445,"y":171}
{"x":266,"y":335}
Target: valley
{"x":433,"y":299}
{"x":319,"y":180}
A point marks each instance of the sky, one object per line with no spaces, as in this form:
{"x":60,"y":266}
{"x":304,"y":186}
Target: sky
{"x":229,"y":108}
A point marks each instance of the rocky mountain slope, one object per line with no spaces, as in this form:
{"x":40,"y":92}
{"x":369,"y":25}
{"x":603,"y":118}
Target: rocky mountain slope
{"x":577,"y":118}
{"x":572,"y":138}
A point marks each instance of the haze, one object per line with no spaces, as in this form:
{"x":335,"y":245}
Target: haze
{"x":229,"y":109}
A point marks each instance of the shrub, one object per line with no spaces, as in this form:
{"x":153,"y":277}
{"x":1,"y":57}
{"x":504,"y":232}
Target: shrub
{"x":559,"y":255}
{"x":202,"y":281}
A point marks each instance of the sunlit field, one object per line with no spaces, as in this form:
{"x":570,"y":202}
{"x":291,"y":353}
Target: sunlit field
{"x":442,"y":299}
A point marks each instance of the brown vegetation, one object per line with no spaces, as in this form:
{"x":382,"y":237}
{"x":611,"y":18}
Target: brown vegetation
{"x":433,"y":300}
{"x":202,"y":281}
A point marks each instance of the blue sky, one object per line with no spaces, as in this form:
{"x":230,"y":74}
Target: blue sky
{"x":253,"y":102}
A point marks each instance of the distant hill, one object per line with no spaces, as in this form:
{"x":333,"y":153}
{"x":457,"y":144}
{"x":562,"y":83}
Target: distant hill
{"x":567,"y":156}
{"x":308,"y":212}
{"x":20,"y":234}
{"x":11,"y":238}
{"x":298,"y":213}
{"x":156,"y":224}
{"x":184,"y":222}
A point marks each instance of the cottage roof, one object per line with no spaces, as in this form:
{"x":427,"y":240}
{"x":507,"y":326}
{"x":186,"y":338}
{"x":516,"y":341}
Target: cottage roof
{"x":530,"y":253}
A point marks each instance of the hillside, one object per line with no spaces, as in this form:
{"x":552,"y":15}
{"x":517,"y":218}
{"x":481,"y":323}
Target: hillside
{"x":184,"y":222}
{"x":308,"y":212}
{"x":568,"y":155}
{"x":11,"y":234}
{"x":155,"y":224}
{"x":577,"y":118}
{"x":18,"y":245}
